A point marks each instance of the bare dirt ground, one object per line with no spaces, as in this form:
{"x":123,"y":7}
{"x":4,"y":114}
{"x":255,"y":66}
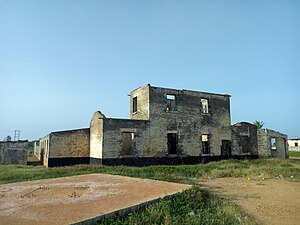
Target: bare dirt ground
{"x":271,"y":202}
{"x":72,"y":199}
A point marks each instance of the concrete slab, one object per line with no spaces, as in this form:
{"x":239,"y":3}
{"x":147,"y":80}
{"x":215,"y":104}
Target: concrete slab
{"x":78,"y":199}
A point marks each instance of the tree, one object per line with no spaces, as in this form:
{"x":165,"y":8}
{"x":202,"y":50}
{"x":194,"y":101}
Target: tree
{"x":7,"y":138}
{"x":258,"y":124}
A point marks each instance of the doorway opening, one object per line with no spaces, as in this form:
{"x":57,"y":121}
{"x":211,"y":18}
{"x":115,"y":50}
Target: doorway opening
{"x":127,"y":143}
{"x":205,"y":144}
{"x":172,"y":143}
{"x":226,"y":149}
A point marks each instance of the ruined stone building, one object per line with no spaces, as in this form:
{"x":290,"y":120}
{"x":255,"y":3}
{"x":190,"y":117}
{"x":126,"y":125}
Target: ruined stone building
{"x":13,"y":152}
{"x":65,"y":148}
{"x":272,"y":144}
{"x":166,"y":126}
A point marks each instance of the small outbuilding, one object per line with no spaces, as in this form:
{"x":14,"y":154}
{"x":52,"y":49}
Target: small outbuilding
{"x":294,"y":144}
{"x":67,"y":147}
{"x":13,"y":152}
{"x":272,"y":144}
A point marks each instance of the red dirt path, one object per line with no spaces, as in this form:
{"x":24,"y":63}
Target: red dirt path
{"x":270,"y":202}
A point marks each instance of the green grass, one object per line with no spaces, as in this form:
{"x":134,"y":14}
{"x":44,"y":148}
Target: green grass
{"x":256,"y":169}
{"x":294,"y":154}
{"x":193,"y":206}
{"x":32,"y":158}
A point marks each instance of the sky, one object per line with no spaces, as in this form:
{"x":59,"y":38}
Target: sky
{"x":60,"y":61}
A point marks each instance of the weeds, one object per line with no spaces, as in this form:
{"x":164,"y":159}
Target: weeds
{"x":193,"y":206}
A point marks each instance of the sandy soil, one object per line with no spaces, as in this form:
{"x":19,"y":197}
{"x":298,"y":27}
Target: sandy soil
{"x":72,"y":199}
{"x":270,"y":202}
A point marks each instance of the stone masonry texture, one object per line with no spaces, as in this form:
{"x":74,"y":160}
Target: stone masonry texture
{"x":13,"y":152}
{"x":170,"y":125}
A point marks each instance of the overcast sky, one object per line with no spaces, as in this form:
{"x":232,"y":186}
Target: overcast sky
{"x":60,"y":61}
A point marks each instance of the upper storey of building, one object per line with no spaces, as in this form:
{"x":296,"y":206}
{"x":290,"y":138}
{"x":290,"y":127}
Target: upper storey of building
{"x":156,"y":103}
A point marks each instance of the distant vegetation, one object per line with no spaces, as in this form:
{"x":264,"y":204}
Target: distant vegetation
{"x":258,"y":124}
{"x":7,"y":138}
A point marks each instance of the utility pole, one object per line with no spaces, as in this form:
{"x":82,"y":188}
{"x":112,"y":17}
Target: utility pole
{"x":17,"y":135}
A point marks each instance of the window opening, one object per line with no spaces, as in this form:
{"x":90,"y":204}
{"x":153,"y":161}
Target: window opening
{"x":273,"y":143}
{"x":171,"y":102}
{"x":205,"y":144}
{"x":172,"y":143}
{"x":204,"y":104}
{"x":225,"y":149}
{"x":245,"y":144}
{"x":134,"y":104}
{"x":171,"y":97}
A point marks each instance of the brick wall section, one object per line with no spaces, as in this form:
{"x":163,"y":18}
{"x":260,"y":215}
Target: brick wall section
{"x":13,"y":152}
{"x":113,"y":138}
{"x":72,"y":143}
{"x":65,"y":144}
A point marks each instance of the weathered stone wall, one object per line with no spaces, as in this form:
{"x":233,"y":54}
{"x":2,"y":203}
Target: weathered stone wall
{"x":13,"y":152}
{"x":244,"y":139}
{"x":186,"y":119}
{"x":37,"y":150}
{"x":264,"y":144}
{"x":112,"y":140}
{"x":71,"y":143}
{"x":44,"y":149}
{"x":142,"y":95}
{"x":96,"y":135}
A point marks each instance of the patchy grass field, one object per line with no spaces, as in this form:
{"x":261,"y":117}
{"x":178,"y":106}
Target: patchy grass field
{"x":195,"y":206}
{"x":255,"y":169}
